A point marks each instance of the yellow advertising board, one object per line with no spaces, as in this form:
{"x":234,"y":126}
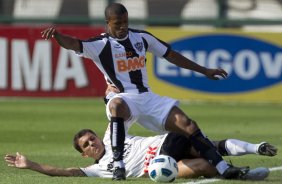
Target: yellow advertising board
{"x":252,"y":59}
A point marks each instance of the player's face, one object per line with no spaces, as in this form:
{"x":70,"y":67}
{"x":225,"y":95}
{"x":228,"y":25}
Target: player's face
{"x":91,"y":146}
{"x":118,"y":25}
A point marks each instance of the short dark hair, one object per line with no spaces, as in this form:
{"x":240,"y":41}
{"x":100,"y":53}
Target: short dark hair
{"x":78,"y":135}
{"x":114,"y":9}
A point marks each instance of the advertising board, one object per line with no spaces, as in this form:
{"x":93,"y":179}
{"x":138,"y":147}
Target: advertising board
{"x":31,"y":66}
{"x":253,"y":61}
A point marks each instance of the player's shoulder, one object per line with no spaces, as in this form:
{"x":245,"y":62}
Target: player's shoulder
{"x":97,"y":38}
{"x":138,"y":31}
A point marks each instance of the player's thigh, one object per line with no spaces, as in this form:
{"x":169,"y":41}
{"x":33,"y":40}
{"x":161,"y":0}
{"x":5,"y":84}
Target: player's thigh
{"x":178,"y":122}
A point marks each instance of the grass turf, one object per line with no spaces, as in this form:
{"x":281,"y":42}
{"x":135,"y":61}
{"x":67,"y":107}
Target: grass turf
{"x":42,"y":129}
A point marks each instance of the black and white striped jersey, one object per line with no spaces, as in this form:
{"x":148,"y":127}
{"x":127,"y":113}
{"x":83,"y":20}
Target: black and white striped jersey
{"x":123,"y":62}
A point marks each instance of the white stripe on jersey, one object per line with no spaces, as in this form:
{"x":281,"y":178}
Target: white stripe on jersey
{"x":123,"y":63}
{"x":137,"y":153}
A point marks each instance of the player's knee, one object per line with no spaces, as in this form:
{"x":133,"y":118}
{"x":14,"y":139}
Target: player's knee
{"x":186,"y":121}
{"x":119,"y":108}
{"x":182,"y":119}
{"x":192,"y":123}
{"x":187,"y":124}
{"x":116,"y":105}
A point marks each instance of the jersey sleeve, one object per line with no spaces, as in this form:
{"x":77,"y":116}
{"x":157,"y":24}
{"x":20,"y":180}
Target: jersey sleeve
{"x":87,"y":49}
{"x":91,"y":171}
{"x":155,"y":45}
{"x":91,"y":48}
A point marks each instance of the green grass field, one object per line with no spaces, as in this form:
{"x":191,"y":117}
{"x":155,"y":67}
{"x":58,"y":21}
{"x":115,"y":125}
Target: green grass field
{"x":42,"y":129}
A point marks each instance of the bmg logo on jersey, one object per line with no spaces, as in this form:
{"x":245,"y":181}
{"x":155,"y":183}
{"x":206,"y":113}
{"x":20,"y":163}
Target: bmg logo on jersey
{"x":130,"y":64}
{"x":252,"y":64}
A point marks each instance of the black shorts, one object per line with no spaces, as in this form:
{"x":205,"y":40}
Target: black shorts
{"x":177,"y":146}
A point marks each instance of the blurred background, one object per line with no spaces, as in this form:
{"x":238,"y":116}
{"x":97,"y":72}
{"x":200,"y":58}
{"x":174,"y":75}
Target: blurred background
{"x":215,"y":13}
{"x":241,"y":36}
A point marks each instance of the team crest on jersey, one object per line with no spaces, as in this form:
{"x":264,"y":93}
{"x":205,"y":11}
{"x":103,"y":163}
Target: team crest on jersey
{"x":139,"y":46}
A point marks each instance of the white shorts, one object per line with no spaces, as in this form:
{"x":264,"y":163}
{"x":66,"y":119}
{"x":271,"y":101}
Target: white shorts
{"x":148,"y":109}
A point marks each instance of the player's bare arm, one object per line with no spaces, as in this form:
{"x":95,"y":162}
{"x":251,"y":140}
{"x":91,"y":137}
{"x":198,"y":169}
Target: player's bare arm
{"x":21,"y":162}
{"x":183,"y":62}
{"x":63,"y":40}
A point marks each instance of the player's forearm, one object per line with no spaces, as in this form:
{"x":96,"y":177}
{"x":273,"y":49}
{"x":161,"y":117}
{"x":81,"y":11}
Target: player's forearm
{"x":183,"y":62}
{"x":67,"y":42}
{"x":54,"y":171}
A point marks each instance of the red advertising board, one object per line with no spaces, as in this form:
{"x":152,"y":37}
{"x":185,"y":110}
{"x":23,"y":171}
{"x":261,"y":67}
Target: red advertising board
{"x":31,"y":66}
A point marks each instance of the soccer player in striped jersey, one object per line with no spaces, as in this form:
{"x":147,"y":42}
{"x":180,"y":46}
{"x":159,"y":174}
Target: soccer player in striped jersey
{"x":120,"y":54}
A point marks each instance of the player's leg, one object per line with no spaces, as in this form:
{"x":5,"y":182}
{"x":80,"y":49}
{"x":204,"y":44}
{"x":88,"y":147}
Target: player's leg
{"x":190,"y":165}
{"x":237,"y":147}
{"x":194,"y":168}
{"x":178,"y":122}
{"x":119,"y":112}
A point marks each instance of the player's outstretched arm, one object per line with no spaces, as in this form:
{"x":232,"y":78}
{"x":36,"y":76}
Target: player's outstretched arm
{"x":183,"y":62}
{"x":21,"y":162}
{"x":63,"y":40}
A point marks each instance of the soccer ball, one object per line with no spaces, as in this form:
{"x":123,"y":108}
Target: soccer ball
{"x":163,"y":168}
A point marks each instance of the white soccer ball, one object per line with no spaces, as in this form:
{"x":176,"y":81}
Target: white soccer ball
{"x":163,"y":168}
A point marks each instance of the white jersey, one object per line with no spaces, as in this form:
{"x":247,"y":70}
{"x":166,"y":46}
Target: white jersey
{"x":138,"y":151}
{"x":123,"y":62}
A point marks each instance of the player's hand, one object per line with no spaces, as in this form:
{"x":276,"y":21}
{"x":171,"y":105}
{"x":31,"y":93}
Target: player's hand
{"x":215,"y":73}
{"x":111,"y":88}
{"x":18,"y":160}
{"x":48,"y":33}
